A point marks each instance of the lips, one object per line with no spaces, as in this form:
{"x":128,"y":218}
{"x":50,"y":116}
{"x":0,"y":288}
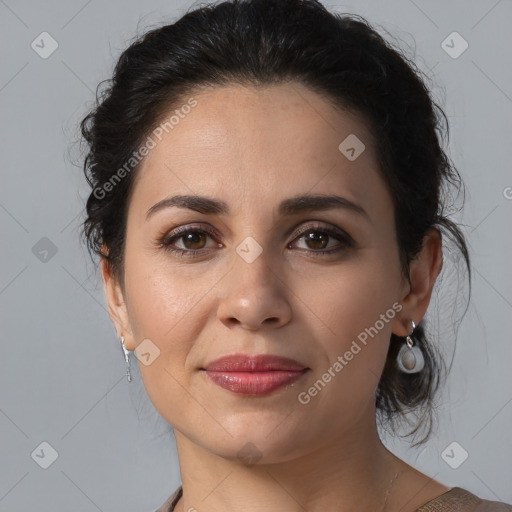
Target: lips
{"x":261,"y":363}
{"x":254,"y":375}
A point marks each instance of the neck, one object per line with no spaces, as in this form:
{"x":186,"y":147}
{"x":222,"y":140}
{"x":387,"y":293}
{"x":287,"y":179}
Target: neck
{"x":351,"y":472}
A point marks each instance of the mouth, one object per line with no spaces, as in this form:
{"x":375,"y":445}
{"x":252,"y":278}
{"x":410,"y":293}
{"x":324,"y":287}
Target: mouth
{"x":254,"y":375}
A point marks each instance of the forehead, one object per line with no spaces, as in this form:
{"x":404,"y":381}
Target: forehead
{"x":248,"y":145}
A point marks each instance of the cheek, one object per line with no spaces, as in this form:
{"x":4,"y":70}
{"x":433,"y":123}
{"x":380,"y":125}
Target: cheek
{"x":166,"y":308}
{"x":355,"y":307}
{"x":165,"y":297}
{"x":165,"y":313}
{"x":353,"y":295}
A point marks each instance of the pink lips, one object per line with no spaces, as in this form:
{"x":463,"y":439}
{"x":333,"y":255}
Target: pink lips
{"x":254,"y":375}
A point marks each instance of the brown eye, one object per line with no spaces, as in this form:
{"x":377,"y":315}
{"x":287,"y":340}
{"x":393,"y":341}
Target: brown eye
{"x":194,"y":240}
{"x":316,"y":240}
{"x":189,"y":241}
{"x":323,"y":240}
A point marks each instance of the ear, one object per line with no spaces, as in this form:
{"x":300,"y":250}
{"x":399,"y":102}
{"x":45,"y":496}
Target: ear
{"x":423,"y":272}
{"x":116,"y":305}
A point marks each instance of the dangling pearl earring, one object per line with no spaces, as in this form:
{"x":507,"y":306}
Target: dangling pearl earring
{"x":127,"y":359}
{"x":410,"y":358}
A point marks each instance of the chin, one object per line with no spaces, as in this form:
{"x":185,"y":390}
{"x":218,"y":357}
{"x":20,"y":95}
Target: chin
{"x":255,"y":446}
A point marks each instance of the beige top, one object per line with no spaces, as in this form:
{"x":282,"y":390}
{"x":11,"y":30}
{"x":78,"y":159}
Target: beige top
{"x":454,"y":500}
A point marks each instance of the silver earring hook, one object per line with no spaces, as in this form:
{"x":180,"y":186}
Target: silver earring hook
{"x":408,"y":340}
{"x":127,"y":360}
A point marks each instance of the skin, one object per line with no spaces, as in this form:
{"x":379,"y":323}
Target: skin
{"x":253,"y":148}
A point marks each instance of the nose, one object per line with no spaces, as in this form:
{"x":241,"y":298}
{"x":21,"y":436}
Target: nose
{"x":255,"y":296}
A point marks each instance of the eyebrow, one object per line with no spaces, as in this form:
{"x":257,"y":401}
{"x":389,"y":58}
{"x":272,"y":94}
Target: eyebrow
{"x":291,"y":206}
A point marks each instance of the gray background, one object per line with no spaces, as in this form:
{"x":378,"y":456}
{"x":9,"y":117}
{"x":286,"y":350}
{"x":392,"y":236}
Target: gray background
{"x":62,"y":370}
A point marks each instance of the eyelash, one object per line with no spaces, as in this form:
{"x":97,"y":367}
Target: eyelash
{"x":165,"y":242}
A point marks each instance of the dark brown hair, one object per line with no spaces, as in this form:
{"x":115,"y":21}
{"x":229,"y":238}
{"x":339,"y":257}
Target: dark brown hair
{"x":265,"y":42}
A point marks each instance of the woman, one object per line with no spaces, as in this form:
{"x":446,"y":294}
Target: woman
{"x":267,"y":206}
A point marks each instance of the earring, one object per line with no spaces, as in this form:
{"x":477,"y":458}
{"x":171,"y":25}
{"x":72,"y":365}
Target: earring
{"x":410,"y":357}
{"x":127,"y":359}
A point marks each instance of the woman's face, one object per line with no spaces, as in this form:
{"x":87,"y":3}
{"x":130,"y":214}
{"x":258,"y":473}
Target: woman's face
{"x":259,"y":282}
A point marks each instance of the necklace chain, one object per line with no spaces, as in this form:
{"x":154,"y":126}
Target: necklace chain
{"x":388,"y":491}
